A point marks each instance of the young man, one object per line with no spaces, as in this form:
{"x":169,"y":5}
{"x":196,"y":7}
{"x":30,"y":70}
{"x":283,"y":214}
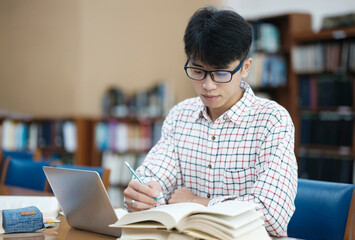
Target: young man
{"x":226,"y":144}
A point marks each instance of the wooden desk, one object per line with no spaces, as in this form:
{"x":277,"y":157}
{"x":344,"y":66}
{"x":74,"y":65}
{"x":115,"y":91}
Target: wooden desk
{"x":10,"y":190}
{"x":62,"y":231}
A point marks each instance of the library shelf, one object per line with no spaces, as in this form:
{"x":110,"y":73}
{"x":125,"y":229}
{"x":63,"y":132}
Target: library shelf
{"x":325,"y":85}
{"x":64,"y":137}
{"x":326,"y":35}
{"x":288,"y":26}
{"x":337,"y":151}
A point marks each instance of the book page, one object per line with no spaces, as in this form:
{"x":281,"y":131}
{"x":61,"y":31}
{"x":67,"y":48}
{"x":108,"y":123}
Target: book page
{"x":223,"y":221}
{"x":143,"y":233}
{"x":221,"y":232}
{"x":230,"y":208}
{"x":168,"y":215}
{"x":49,"y":206}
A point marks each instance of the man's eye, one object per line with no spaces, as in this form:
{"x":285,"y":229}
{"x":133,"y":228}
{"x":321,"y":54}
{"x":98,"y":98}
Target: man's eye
{"x":221,"y":74}
{"x":197,"y":71}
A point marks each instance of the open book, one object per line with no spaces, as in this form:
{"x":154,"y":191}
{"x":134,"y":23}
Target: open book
{"x":227,"y":220}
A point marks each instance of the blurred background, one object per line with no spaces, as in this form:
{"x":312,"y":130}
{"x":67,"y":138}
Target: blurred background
{"x":88,"y":82}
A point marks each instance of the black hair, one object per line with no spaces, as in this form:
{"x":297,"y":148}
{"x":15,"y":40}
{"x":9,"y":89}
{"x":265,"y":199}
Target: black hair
{"x":217,"y":37}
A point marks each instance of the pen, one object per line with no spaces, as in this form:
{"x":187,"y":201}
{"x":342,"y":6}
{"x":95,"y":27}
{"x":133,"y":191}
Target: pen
{"x":137,"y":176}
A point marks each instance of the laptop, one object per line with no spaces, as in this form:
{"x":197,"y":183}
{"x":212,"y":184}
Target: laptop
{"x":83,"y":200}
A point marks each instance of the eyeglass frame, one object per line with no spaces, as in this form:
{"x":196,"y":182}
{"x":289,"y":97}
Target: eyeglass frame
{"x":210,"y":72}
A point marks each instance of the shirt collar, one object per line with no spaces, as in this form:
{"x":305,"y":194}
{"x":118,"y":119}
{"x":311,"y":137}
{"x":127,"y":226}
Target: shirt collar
{"x":239,"y":109}
{"x":200,"y":109}
{"x":243,"y":106}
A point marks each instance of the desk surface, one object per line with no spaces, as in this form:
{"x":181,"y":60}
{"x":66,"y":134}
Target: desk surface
{"x":10,"y":190}
{"x":62,"y":231}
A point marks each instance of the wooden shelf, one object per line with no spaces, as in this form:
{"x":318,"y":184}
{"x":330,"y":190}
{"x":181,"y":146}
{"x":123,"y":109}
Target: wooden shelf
{"x":326,"y":35}
{"x":335,"y":109}
{"x":131,"y":119}
{"x":326,"y":150}
{"x":289,"y":26}
{"x":270,"y":89}
{"x":339,"y":72}
{"x":129,"y":152}
{"x":327,"y":154}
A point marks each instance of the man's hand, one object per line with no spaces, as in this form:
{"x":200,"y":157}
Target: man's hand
{"x":143,"y":195}
{"x":185,"y":195}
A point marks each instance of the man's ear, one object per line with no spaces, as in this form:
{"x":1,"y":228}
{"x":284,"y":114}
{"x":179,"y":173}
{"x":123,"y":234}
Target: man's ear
{"x":246,"y":67}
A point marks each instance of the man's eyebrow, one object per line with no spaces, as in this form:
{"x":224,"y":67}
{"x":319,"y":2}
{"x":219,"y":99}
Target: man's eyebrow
{"x":216,"y":68}
{"x":196,"y":64}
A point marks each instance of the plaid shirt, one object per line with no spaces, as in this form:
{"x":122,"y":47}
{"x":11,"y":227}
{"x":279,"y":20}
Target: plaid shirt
{"x":247,"y":154}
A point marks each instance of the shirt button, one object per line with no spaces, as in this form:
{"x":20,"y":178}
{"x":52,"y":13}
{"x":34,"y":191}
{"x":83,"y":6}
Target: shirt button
{"x":209,"y":166}
{"x":208,"y":195}
{"x":213,"y":137}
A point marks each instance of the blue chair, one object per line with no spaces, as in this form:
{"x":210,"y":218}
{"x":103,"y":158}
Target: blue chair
{"x":23,"y":173}
{"x":103,"y":172}
{"x":324,"y":210}
{"x":25,"y":155}
{"x":19,"y":154}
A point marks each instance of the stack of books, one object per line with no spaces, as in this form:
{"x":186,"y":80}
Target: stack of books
{"x":227,"y":220}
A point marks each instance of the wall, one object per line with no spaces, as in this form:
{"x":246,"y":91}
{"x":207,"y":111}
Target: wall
{"x":58,"y":57}
{"x":39,"y":55}
{"x":317,"y":8}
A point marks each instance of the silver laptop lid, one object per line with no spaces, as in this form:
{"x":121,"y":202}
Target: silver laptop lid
{"x":83,"y":199}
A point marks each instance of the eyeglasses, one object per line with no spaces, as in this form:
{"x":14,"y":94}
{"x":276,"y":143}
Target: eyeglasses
{"x":220,"y":76}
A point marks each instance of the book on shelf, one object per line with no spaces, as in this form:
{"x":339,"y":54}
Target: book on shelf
{"x":338,"y":21}
{"x":268,"y":70}
{"x":325,"y":90}
{"x":115,"y":162}
{"x":101,"y":133}
{"x":227,"y":220}
{"x":29,"y":135}
{"x":151,"y":103}
{"x":331,"y":56}
{"x":120,"y":136}
{"x":70,"y":134}
{"x":327,"y":167}
{"x":352,"y":56}
{"x":126,"y":176}
{"x":269,"y":67}
{"x":339,"y":128}
{"x":266,"y":37}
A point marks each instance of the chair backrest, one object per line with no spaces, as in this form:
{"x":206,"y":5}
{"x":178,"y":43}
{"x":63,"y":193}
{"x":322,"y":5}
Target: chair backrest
{"x":23,"y":173}
{"x":324,"y":210}
{"x":103,"y":172}
{"x":25,"y":155}
{"x":19,"y":154}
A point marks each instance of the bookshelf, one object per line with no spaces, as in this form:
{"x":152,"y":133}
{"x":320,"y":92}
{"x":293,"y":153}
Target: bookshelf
{"x":124,"y":139}
{"x":64,"y":138}
{"x":131,"y":125}
{"x":272,"y":47}
{"x":324,"y":63}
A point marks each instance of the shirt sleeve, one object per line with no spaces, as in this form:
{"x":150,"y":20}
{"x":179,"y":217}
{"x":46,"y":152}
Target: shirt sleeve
{"x":161,"y":163}
{"x":275,"y":188}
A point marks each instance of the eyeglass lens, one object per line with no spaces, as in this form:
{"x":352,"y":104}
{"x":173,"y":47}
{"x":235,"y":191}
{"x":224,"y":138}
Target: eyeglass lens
{"x":199,"y":74}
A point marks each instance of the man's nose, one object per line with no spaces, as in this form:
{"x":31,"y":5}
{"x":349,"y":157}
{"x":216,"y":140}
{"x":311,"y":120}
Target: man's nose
{"x":208,"y":83}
